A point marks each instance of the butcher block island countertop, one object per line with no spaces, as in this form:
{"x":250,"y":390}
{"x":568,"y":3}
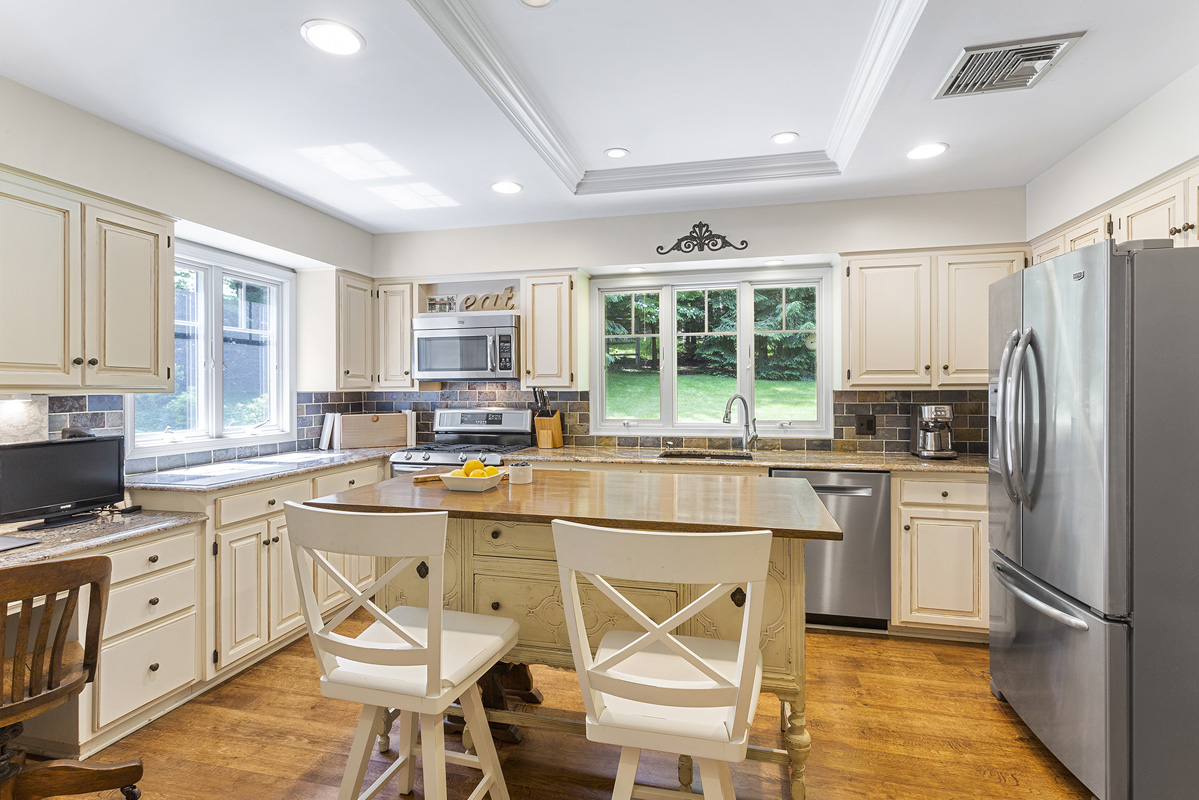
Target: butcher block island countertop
{"x":645,"y":501}
{"x":499,"y":560}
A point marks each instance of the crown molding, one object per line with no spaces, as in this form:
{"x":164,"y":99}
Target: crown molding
{"x":707,"y":173}
{"x":893,"y":26}
{"x":457,"y":25}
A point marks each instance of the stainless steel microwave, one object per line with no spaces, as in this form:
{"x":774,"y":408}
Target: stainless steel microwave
{"x":481,"y":346}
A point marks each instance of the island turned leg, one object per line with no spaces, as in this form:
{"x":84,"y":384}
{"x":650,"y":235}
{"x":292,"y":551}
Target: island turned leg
{"x":686,"y":773}
{"x":797,"y":739}
{"x":799,"y":746}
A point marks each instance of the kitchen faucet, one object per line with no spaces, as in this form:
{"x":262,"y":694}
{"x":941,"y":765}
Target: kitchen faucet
{"x":751,"y":423}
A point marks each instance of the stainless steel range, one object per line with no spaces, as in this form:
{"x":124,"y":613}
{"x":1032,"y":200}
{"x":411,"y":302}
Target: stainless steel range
{"x":460,"y":434}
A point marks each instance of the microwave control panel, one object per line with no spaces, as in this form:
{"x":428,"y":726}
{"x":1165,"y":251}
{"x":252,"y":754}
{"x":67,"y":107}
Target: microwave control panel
{"x":505,"y":353}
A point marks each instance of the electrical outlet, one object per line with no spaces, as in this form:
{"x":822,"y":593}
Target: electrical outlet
{"x":864,"y":425}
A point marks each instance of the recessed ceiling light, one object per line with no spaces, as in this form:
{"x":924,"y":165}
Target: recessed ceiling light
{"x":786,"y":137}
{"x":774,"y":262}
{"x":636,"y":269}
{"x":616,"y":152}
{"x":506,"y":187}
{"x":536,"y":3}
{"x":928,"y":150}
{"x":332,"y":37}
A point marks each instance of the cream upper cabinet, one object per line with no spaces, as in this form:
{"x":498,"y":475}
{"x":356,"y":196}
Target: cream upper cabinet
{"x":395,"y":307}
{"x":355,"y":332}
{"x":1050,"y":248}
{"x":963,"y":283}
{"x":129,"y":334}
{"x":1088,"y":232}
{"x":1190,"y":225}
{"x":88,"y":291}
{"x":547,"y":331}
{"x":41,"y":319}
{"x":889,"y":321}
{"x":1155,"y":214}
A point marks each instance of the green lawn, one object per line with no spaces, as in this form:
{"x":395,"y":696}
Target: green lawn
{"x":701,"y":398}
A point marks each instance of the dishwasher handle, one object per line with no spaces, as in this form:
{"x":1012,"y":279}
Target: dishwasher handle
{"x":844,"y":491}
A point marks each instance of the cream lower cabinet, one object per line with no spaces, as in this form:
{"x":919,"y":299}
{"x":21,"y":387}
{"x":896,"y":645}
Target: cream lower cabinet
{"x":88,"y":291}
{"x":939,"y":552}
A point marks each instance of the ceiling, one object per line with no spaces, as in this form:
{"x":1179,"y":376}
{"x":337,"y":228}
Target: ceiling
{"x":449,"y":96}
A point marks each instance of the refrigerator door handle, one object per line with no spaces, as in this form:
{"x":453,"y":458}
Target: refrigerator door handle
{"x":1028,"y":599}
{"x":1005,"y":361}
{"x":1010,"y":418}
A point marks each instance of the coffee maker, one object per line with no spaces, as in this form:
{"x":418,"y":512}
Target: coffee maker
{"x":931,"y":435}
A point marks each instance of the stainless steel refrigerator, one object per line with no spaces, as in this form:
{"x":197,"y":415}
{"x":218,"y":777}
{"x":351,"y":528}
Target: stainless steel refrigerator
{"x":1093,"y":501}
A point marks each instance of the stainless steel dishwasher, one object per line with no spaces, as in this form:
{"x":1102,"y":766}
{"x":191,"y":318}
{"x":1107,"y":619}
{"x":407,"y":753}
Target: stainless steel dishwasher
{"x":849,"y":582}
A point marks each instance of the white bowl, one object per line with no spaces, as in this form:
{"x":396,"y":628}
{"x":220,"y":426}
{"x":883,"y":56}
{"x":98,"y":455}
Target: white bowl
{"x":463,"y":484}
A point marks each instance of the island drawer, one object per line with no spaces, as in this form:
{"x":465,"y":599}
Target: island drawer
{"x":145,"y":601}
{"x":332,"y":484}
{"x":239,"y":507}
{"x":145,"y":667}
{"x":943,"y":493}
{"x":520,"y":539}
{"x":145,"y":559}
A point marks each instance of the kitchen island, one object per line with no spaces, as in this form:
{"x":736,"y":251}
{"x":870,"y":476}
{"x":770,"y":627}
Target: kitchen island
{"x":500,"y":560}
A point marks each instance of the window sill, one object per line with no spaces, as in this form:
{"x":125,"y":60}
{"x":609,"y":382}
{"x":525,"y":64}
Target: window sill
{"x":201,"y":445}
{"x":765,"y":431}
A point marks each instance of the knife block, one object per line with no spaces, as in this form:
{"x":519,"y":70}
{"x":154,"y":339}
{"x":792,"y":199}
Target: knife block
{"x":549,"y":431}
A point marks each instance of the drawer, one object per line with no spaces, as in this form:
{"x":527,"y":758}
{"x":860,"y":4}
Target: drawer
{"x":331,"y":484}
{"x":152,"y":599}
{"x":536,"y":605}
{"x":518,"y":539}
{"x":145,"y":559}
{"x":239,"y":507}
{"x":145,"y":667}
{"x":944,"y":493}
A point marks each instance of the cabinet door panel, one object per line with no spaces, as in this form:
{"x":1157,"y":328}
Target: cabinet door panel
{"x":1049,"y":249}
{"x":1087,"y":233}
{"x":942,"y":567}
{"x":41,"y":263}
{"x":1151,"y":215}
{"x":889,"y":324}
{"x":546,"y":331}
{"x":242,"y":591}
{"x":328,"y":593}
{"x":129,"y":305}
{"x":962,"y":306}
{"x":355,"y":332}
{"x":395,"y":336}
{"x":410,"y":588}
{"x":285,"y":612}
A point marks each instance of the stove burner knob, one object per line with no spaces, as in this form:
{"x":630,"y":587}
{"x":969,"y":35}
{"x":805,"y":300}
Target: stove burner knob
{"x":407,"y":456}
{"x":425,"y":457}
{"x":462,"y":457}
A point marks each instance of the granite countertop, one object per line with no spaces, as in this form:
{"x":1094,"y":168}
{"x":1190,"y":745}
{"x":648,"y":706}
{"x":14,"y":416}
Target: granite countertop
{"x":794,"y":459}
{"x":77,"y":540}
{"x":247,"y":472}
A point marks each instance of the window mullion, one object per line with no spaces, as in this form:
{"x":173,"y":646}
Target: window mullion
{"x":667,"y":364}
{"x":216,"y":419}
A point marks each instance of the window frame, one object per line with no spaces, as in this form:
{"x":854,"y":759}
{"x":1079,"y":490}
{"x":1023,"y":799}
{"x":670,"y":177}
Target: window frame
{"x":214,"y":265}
{"x":820,"y":277}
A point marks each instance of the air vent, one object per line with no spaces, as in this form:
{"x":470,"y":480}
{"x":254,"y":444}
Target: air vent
{"x":1005,"y":67}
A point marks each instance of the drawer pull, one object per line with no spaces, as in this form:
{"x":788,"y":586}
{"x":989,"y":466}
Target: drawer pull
{"x":945,"y":494}
{"x":270,"y":502}
{"x":275,"y":539}
{"x":352,"y":481}
{"x":422,"y":569}
{"x":495,"y":606}
{"x":153,"y":601}
{"x":154,"y":667}
{"x":738,"y":597}
{"x":495,"y":534}
{"x":154,"y":559}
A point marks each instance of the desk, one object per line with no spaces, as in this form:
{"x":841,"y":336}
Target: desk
{"x":500,"y":560}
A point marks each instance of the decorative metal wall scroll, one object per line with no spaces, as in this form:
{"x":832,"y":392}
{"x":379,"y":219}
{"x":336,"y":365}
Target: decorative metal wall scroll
{"x":701,"y":238}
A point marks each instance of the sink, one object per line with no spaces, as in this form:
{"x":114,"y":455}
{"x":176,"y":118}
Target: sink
{"x":713,"y":455}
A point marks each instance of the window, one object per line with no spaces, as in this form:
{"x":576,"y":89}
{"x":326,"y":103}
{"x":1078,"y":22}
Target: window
{"x":673,"y":351}
{"x":233,"y":359}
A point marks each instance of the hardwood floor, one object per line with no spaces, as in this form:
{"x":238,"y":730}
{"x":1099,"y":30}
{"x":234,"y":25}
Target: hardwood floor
{"x":890,"y":719}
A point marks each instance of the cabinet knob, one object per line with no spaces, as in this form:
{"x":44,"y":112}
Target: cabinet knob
{"x":154,"y":667}
{"x":528,"y":372}
{"x":275,"y":539}
{"x":154,"y":559}
{"x":928,"y":367}
{"x":738,"y":597}
{"x":945,"y":367}
{"x":153,"y":601}
{"x":1188,"y":226}
{"x":422,"y":569}
{"x":495,"y":534}
{"x":907,"y":527}
{"x":495,"y":606}
{"x":77,"y":361}
{"x":91,"y":362}
{"x":1175,"y":231}
{"x":405,"y":372}
{"x":270,"y":502}
{"x":945,"y":494}
{"x":347,"y":372}
{"x":352,"y":481}
{"x":266,"y":542}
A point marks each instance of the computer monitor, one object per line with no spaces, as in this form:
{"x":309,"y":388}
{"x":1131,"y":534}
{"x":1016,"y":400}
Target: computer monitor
{"x":60,"y":481}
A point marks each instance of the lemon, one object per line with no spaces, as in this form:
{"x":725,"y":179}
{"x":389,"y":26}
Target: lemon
{"x":491,"y":470}
{"x":478,"y":474}
{"x":458,"y":473}
{"x":472,"y":465}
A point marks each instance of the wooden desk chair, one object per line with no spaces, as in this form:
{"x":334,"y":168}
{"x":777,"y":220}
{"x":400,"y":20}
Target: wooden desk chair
{"x":416,"y":660}
{"x":42,"y":670}
{"x":651,"y":689}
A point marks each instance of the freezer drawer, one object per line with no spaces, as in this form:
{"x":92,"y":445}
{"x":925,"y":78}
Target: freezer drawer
{"x":1064,"y":670}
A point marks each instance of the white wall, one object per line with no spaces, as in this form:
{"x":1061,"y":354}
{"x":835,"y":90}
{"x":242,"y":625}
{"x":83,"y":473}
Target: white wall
{"x":987,"y":216}
{"x":46,"y":137}
{"x":1153,"y":138}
